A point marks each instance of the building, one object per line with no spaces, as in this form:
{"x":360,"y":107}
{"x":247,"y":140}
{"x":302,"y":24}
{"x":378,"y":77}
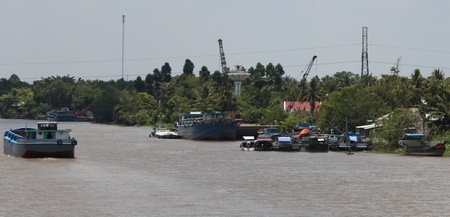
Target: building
{"x":291,"y":106}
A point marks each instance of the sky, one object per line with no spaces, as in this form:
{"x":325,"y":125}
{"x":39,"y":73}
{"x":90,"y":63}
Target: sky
{"x":88,"y":39}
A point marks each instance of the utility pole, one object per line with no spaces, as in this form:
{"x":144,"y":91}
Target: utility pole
{"x":123,"y":40}
{"x":365,"y":58}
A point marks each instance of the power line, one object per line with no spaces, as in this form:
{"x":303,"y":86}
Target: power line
{"x":407,"y":48}
{"x":175,"y":57}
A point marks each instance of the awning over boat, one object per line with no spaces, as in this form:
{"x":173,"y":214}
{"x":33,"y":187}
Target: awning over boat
{"x":264,"y":139}
{"x":284,"y":139}
{"x":366,"y":127}
{"x":414,"y":134}
{"x":353,"y":138}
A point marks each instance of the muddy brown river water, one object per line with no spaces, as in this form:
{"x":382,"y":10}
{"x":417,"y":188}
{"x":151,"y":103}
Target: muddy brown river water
{"x":120,"y":171}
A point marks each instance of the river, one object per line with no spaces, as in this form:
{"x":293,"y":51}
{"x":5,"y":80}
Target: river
{"x":121,"y":171}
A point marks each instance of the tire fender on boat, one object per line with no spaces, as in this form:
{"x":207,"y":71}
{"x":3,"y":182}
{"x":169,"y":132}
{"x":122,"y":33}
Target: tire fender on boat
{"x":74,"y":142}
{"x":213,"y":123}
{"x":59,"y":142}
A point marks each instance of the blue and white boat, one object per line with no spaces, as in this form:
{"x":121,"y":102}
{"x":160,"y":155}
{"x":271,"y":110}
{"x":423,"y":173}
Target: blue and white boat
{"x":44,"y":141}
{"x":206,"y":126}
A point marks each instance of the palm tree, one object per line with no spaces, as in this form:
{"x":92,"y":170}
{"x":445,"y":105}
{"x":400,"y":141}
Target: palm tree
{"x":313,"y":94}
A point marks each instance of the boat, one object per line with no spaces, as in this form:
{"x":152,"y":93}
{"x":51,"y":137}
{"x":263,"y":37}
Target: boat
{"x":248,"y":144}
{"x":263,"y":144}
{"x":284,"y":143}
{"x":44,"y":141}
{"x":349,"y":143}
{"x":413,"y":144}
{"x":162,"y":132}
{"x":206,"y":126}
{"x":64,"y":114}
{"x":315,"y":143}
{"x":272,"y":132}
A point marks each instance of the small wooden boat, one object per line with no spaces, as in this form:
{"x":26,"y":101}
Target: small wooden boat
{"x":413,"y":144}
{"x":349,"y":143}
{"x":263,"y":144}
{"x":284,"y":143}
{"x":315,"y":143}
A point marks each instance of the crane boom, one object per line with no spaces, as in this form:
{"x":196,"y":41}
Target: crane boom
{"x":223,"y":63}
{"x":308,"y":68}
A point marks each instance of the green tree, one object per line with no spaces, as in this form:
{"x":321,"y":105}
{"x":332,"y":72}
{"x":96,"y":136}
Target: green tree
{"x":354,"y":104}
{"x":188,"y":68}
{"x":393,"y":128}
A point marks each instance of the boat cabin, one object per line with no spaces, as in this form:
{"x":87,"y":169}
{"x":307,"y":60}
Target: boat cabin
{"x":48,"y":130}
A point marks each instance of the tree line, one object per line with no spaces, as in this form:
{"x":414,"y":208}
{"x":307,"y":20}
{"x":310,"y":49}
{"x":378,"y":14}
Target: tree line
{"x":347,"y":99}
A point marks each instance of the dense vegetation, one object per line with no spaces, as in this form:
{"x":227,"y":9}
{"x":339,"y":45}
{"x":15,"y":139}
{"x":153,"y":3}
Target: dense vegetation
{"x":346,"y":100}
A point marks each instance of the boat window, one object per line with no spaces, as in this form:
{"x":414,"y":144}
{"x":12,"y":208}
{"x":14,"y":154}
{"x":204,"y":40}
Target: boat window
{"x":47,"y":126}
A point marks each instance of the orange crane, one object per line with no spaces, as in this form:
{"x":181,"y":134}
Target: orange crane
{"x":305,"y":76}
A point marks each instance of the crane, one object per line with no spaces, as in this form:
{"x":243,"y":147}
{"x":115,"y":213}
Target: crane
{"x":305,"y":76}
{"x":223,"y":62}
{"x":225,"y":70}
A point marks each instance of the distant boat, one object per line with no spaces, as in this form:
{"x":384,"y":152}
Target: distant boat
{"x":272,"y":132}
{"x":283,"y":143}
{"x":315,"y":143}
{"x":413,"y":144}
{"x":64,"y":114}
{"x":206,"y":126}
{"x":263,"y":144}
{"x":349,"y":143}
{"x":44,"y":141}
{"x":162,"y":132}
{"x":248,"y":144}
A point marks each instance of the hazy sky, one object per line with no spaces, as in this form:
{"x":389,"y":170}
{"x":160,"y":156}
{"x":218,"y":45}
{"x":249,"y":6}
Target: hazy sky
{"x":83,"y":38}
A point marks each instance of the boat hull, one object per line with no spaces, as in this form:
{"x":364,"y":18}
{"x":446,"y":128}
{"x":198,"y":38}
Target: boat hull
{"x":39,"y":149}
{"x":208,"y":131}
{"x":424,"y":151}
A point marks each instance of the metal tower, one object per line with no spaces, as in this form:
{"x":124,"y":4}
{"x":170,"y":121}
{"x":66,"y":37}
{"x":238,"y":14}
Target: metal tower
{"x":123,"y":40}
{"x":365,"y":57}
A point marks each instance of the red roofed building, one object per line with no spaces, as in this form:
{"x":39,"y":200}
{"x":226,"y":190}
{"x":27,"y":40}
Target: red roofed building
{"x":290,"y":106}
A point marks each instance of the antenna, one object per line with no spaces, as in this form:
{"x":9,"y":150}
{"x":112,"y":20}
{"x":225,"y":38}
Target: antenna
{"x":365,"y":57}
{"x":123,"y":40}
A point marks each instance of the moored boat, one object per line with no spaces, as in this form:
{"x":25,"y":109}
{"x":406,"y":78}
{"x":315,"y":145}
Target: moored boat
{"x":413,"y":144}
{"x":206,"y":126}
{"x":162,"y":132}
{"x":349,"y":143}
{"x":64,"y":114}
{"x":272,"y":132}
{"x":315,"y":143}
{"x":284,"y":143}
{"x":44,"y":141}
{"x":248,"y":144}
{"x":263,"y":144}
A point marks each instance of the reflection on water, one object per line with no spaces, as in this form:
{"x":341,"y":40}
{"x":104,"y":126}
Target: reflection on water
{"x":120,"y":171}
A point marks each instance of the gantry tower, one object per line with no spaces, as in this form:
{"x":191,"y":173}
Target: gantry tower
{"x":365,"y":57}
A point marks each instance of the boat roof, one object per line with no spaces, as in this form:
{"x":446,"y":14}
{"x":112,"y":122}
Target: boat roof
{"x":284,"y":139}
{"x":413,"y":134}
{"x":248,"y":137}
{"x":47,"y":122}
{"x":353,"y":138}
{"x":264,"y":139}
